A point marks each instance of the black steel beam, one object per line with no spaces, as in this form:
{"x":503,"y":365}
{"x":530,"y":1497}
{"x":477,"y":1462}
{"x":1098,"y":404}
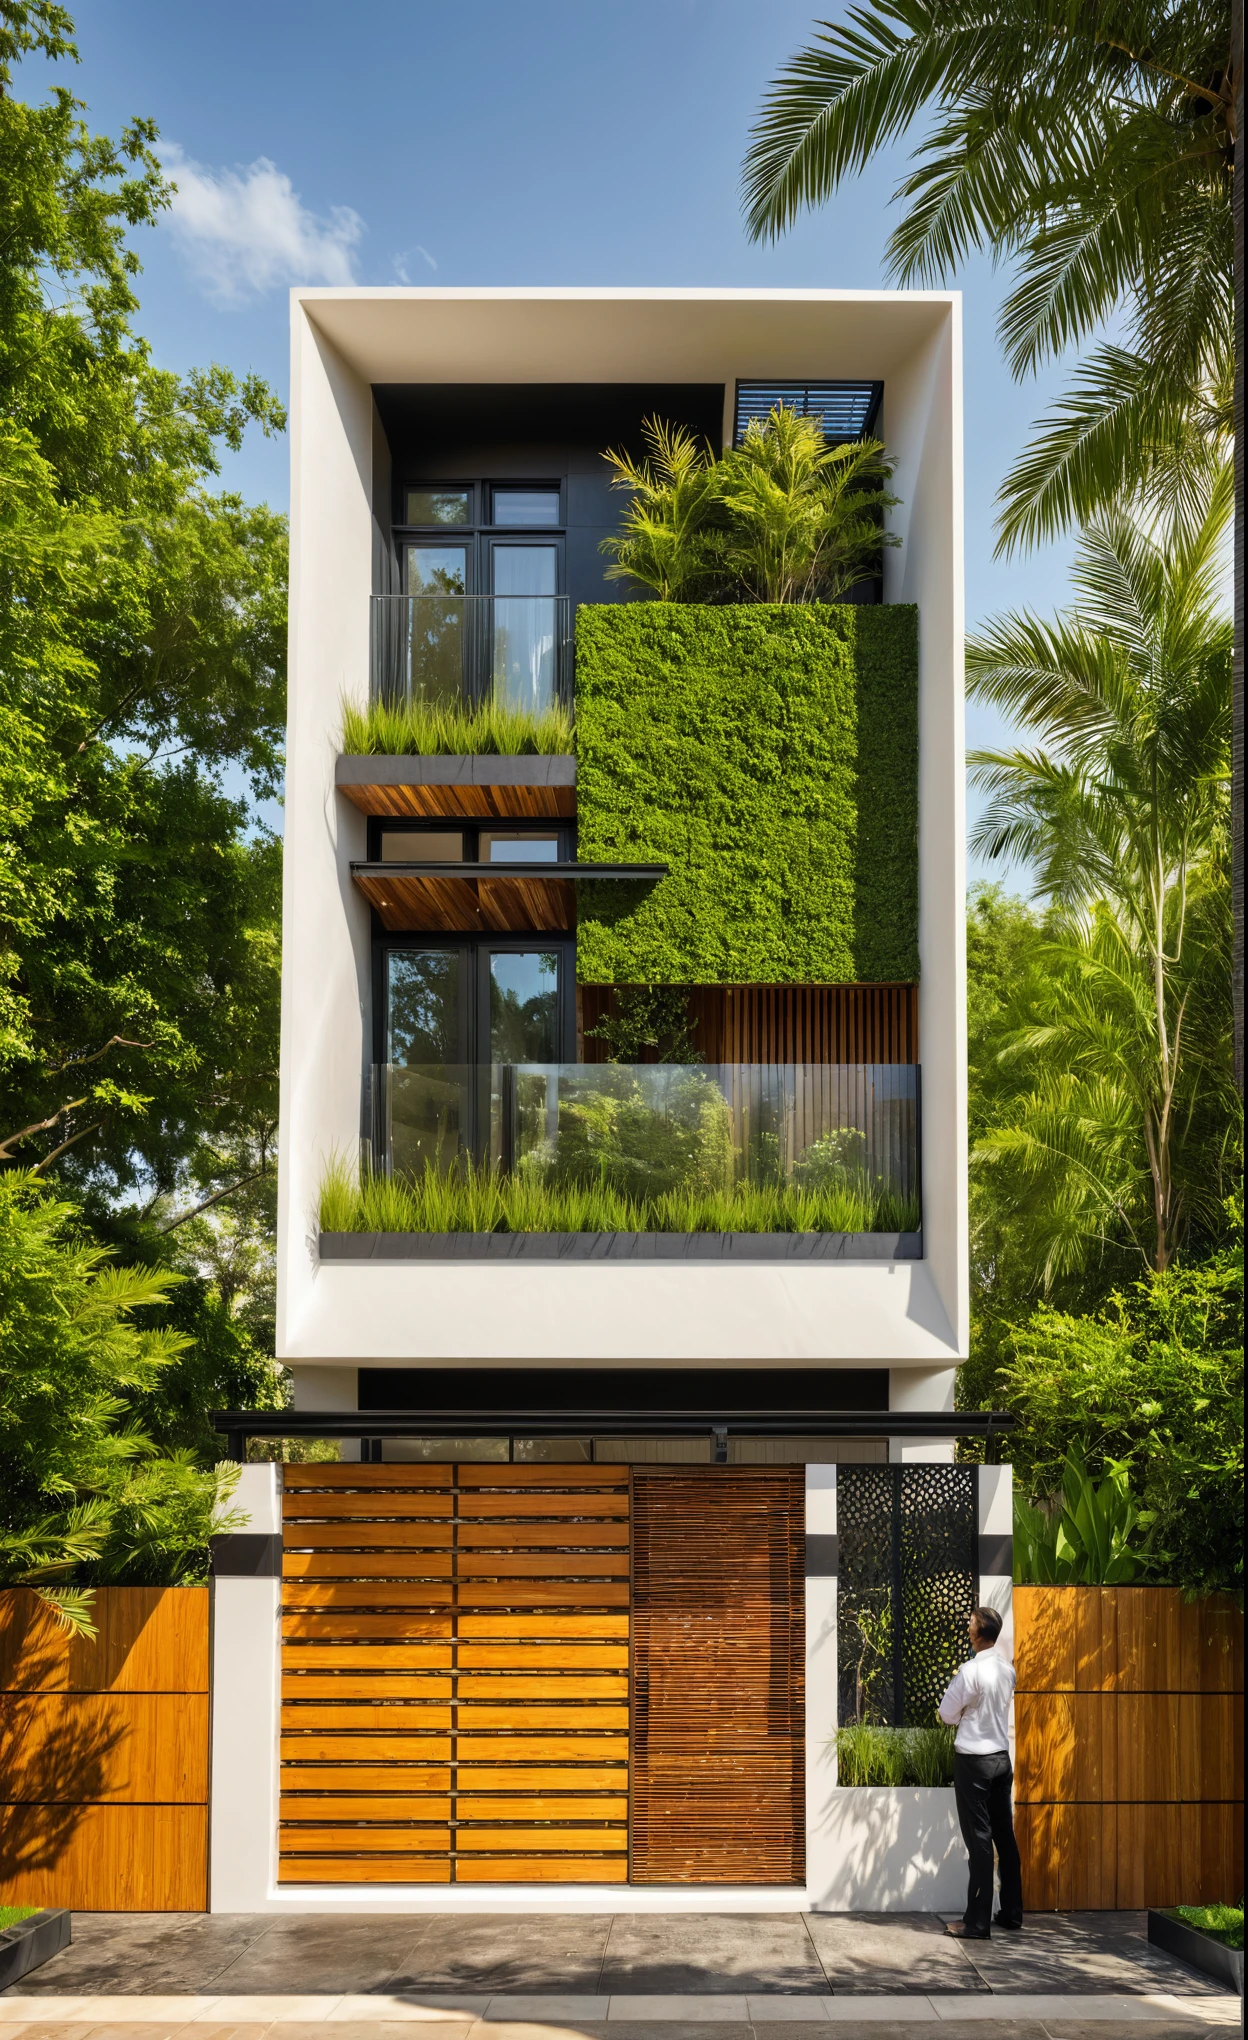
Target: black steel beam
{"x":239,"y":1425}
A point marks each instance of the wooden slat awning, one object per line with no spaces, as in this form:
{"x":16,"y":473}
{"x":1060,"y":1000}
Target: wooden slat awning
{"x":494,"y":899}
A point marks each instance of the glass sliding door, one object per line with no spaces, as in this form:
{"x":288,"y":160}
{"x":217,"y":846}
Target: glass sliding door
{"x":524,"y":1006}
{"x":525,"y":582}
{"x":429,"y":1103}
{"x":438,"y":621}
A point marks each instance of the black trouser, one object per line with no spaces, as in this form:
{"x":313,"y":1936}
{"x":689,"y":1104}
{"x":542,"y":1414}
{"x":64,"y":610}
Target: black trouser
{"x":981,"y":1787}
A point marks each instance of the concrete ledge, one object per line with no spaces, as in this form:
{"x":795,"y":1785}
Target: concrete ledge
{"x":30,"y":1942}
{"x":481,"y":769}
{"x":493,"y":1246}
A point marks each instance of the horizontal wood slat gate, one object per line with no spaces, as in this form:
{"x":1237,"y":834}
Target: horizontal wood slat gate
{"x":455,"y":1674}
{"x":718,"y":1676}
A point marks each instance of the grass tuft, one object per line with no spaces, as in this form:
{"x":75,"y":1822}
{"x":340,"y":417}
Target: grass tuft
{"x":13,"y":1915}
{"x":434,"y":729}
{"x":869,"y":1754}
{"x":476,"y":1198}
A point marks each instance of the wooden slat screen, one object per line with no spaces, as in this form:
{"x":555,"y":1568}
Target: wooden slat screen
{"x":718,"y":1676}
{"x":455,"y":1674}
{"x":785,"y":1023}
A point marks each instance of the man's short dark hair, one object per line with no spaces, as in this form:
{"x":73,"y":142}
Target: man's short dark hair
{"x":988,"y":1623}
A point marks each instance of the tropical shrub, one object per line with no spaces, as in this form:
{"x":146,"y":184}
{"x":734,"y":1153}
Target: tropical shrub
{"x":784,"y":517}
{"x":1086,"y":1537}
{"x":1154,"y":1382}
{"x":85,"y":1495}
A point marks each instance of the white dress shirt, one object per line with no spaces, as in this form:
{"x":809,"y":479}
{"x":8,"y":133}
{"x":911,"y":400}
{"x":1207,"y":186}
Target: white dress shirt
{"x":978,"y":1702}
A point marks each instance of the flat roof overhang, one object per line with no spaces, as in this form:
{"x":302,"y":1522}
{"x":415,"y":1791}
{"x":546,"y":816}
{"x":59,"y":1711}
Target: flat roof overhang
{"x":560,"y":335}
{"x":478,"y":788}
{"x":495,"y":899}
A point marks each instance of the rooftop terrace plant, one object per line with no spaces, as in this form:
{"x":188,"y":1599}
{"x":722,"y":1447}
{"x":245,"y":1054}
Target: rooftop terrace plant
{"x":784,"y":517}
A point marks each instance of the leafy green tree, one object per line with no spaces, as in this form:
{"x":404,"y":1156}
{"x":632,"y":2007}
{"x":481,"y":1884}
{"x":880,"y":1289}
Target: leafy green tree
{"x":1090,"y":145}
{"x":141,"y":634}
{"x":84,"y":1495}
{"x":1123,"y":1114}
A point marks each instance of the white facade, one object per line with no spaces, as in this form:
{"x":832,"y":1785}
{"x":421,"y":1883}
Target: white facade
{"x":905,"y":1315}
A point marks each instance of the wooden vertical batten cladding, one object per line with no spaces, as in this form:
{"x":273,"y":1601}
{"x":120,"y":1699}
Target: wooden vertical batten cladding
{"x":784,"y":1023}
{"x":104,"y":1753}
{"x":718,"y":1676}
{"x":1129,"y":1766}
{"x":455,"y":1674}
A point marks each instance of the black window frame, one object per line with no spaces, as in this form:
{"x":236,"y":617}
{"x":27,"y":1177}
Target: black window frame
{"x":470,"y":828}
{"x":475,"y":985}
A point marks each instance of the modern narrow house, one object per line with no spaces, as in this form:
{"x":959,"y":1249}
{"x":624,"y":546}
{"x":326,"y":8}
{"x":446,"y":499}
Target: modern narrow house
{"x":623,"y":1221}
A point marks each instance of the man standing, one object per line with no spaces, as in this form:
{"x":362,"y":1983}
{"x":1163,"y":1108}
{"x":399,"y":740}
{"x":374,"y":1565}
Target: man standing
{"x":978,"y":1704}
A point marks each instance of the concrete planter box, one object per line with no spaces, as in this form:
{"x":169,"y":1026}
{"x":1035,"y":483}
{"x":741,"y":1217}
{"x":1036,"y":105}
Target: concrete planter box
{"x":896,"y":1848}
{"x":1193,"y":1945}
{"x":30,"y":1942}
{"x":361,"y":1246}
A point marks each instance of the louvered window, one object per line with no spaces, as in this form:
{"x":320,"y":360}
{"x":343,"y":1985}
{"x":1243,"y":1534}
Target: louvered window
{"x":848,"y":410}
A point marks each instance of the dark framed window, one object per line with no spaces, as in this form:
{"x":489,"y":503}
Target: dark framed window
{"x":456,"y":1001}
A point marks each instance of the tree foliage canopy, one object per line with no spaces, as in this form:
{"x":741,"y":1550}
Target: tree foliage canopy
{"x":1089,"y":143}
{"x":141,"y":660}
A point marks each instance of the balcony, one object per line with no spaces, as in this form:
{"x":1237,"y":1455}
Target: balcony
{"x":575,"y":1160}
{"x":464,"y":652}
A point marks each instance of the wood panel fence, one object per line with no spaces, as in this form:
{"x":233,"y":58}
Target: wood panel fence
{"x":1129,"y":1760}
{"x":104,"y":1753}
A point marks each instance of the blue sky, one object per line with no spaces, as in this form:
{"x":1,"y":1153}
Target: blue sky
{"x":497,"y":142}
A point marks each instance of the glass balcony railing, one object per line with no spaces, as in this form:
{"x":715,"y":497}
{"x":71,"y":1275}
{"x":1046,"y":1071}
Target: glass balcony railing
{"x":453,"y":650}
{"x":824,"y":1147}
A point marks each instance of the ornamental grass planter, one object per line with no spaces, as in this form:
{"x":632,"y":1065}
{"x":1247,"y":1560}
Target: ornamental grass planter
{"x":1201,"y":1950}
{"x":24,"y":1946}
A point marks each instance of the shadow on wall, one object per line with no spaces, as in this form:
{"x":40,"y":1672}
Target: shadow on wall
{"x":61,"y":1743}
{"x":894,"y":1848}
{"x":104,"y":1752}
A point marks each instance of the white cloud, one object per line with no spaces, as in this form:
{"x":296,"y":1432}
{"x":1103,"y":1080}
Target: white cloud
{"x":402,"y":272}
{"x":245,"y":231}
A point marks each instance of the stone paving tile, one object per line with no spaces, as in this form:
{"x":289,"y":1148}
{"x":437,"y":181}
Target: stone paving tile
{"x":660,"y":1953}
{"x":716,"y":2008}
{"x":896,"y":1954}
{"x":321,"y":1953}
{"x":1154,"y":2028}
{"x":146,"y":1953}
{"x":532,"y":1952}
{"x":1048,"y":1963}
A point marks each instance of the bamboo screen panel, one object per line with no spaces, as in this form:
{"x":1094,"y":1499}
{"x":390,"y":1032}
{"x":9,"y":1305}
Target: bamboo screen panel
{"x":718,"y":1677}
{"x":455,"y":1674}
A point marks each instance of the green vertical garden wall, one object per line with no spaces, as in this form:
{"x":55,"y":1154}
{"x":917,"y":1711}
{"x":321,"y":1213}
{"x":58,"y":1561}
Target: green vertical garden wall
{"x":767,"y":752}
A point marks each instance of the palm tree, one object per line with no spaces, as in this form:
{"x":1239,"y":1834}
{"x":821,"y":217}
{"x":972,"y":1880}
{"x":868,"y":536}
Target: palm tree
{"x":1093,"y":144}
{"x":1121,"y":809}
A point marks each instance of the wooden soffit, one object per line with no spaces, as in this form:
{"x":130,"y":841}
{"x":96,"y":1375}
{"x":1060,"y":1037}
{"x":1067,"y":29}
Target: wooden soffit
{"x":494,"y":899}
{"x":481,"y":788}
